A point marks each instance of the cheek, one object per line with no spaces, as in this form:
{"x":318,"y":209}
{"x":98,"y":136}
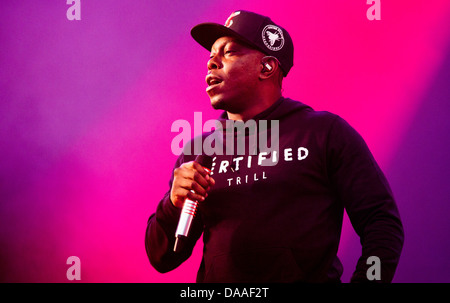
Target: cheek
{"x":243,"y":74}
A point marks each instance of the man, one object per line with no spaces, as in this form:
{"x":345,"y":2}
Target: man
{"x":276,"y":222}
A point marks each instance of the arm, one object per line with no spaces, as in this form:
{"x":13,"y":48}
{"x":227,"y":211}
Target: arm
{"x":362,"y":187}
{"x":161,"y":226}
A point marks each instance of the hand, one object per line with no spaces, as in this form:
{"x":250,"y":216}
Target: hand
{"x":189,"y":177}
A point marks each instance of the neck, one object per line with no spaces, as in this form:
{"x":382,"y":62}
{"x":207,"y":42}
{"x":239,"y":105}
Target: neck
{"x":259,"y":106}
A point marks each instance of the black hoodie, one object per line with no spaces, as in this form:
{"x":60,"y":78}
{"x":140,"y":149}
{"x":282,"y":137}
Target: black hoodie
{"x":277,"y":217}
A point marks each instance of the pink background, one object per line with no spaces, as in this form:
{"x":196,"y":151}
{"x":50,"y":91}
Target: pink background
{"x":86,"y":108}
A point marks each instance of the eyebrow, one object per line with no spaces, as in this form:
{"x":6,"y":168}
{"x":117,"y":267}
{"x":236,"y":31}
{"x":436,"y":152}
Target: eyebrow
{"x":224,"y":44}
{"x":235,"y":41}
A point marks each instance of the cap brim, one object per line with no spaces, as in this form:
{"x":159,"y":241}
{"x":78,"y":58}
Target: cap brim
{"x":207,"y":33}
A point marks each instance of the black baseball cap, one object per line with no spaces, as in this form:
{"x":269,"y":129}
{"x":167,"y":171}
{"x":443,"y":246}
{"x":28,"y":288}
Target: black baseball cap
{"x":253,"y":29}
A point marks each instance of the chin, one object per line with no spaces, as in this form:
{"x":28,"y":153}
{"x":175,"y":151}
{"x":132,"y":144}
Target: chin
{"x":218,"y":103}
{"x":228,"y":104}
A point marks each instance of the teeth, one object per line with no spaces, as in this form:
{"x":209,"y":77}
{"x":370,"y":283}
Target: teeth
{"x":214,"y":81}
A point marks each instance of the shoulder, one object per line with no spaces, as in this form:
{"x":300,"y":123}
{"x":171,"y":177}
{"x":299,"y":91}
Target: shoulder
{"x":298,"y":108}
{"x":306,"y":116}
{"x":328,"y":125}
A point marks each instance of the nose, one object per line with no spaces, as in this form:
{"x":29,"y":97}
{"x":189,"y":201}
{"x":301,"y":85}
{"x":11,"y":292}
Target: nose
{"x":214,"y":63}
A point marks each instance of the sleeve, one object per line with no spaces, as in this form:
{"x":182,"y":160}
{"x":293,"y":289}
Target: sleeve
{"x":366,"y":195}
{"x":160,"y":233}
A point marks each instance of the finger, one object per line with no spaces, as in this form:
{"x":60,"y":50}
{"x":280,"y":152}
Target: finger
{"x":200,"y":179}
{"x":185,"y":171}
{"x":199,"y":190}
{"x":189,"y":184}
{"x":193,"y":185}
{"x":179,"y":196}
{"x":200,"y":169}
{"x":211,"y":181}
{"x":193,"y":170}
{"x":194,"y":196}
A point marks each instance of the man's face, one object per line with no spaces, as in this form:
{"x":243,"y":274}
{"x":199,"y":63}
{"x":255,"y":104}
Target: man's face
{"x":233,"y":75}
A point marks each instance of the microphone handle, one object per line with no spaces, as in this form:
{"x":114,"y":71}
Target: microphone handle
{"x":187,"y":216}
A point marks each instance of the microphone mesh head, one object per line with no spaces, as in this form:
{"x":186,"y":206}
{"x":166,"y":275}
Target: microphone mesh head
{"x":204,"y":160}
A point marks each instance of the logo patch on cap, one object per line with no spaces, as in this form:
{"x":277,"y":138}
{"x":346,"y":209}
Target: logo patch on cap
{"x":272,"y":37}
{"x":229,"y":21}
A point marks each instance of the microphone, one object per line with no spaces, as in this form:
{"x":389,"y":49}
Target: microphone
{"x":189,"y":208}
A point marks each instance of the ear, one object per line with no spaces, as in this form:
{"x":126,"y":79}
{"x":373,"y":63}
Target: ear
{"x":269,"y":66}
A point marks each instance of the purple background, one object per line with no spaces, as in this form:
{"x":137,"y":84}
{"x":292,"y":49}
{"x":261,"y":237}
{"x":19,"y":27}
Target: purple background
{"x":86,"y":108}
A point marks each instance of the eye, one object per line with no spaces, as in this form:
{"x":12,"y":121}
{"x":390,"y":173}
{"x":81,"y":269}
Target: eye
{"x":230,"y":51}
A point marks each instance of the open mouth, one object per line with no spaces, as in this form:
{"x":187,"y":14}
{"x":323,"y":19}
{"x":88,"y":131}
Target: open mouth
{"x":213,"y":82}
